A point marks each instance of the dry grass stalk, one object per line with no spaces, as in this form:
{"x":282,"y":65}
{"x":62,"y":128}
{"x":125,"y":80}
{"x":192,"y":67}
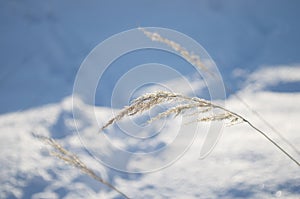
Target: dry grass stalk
{"x":144,"y":103}
{"x":180,"y":105}
{"x":179,"y":109}
{"x":150,"y":100}
{"x":73,"y":160}
{"x":189,"y":56}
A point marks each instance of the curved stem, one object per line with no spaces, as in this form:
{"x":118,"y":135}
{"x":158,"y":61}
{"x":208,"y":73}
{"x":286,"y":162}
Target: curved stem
{"x":264,"y":121}
{"x":273,"y":142}
{"x":262,"y":133}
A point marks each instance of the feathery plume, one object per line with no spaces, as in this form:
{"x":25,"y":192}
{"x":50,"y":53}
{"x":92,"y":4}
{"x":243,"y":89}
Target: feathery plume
{"x":180,"y":105}
{"x":189,"y":56}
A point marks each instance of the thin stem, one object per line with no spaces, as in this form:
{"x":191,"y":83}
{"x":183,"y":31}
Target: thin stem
{"x":96,"y":177}
{"x":261,"y":132}
{"x":273,"y":142}
{"x":264,"y":121}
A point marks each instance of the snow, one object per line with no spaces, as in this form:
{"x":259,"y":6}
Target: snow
{"x":242,"y":165}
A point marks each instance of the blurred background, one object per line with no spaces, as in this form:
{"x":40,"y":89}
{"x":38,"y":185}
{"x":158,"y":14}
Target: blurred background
{"x":43,"y":43}
{"x":255,"y":44}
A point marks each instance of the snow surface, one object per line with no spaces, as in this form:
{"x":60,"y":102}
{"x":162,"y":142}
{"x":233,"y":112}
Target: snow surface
{"x":243,"y":164}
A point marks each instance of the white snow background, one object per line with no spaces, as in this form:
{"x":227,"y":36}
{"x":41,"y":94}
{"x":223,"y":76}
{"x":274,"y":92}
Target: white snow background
{"x":255,"y":45}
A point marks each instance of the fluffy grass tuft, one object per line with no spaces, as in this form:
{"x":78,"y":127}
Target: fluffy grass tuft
{"x":179,"y":105}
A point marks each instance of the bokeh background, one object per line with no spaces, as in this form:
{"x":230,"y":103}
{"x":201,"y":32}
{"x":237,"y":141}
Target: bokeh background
{"x":43,"y":43}
{"x":255,"y":45}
